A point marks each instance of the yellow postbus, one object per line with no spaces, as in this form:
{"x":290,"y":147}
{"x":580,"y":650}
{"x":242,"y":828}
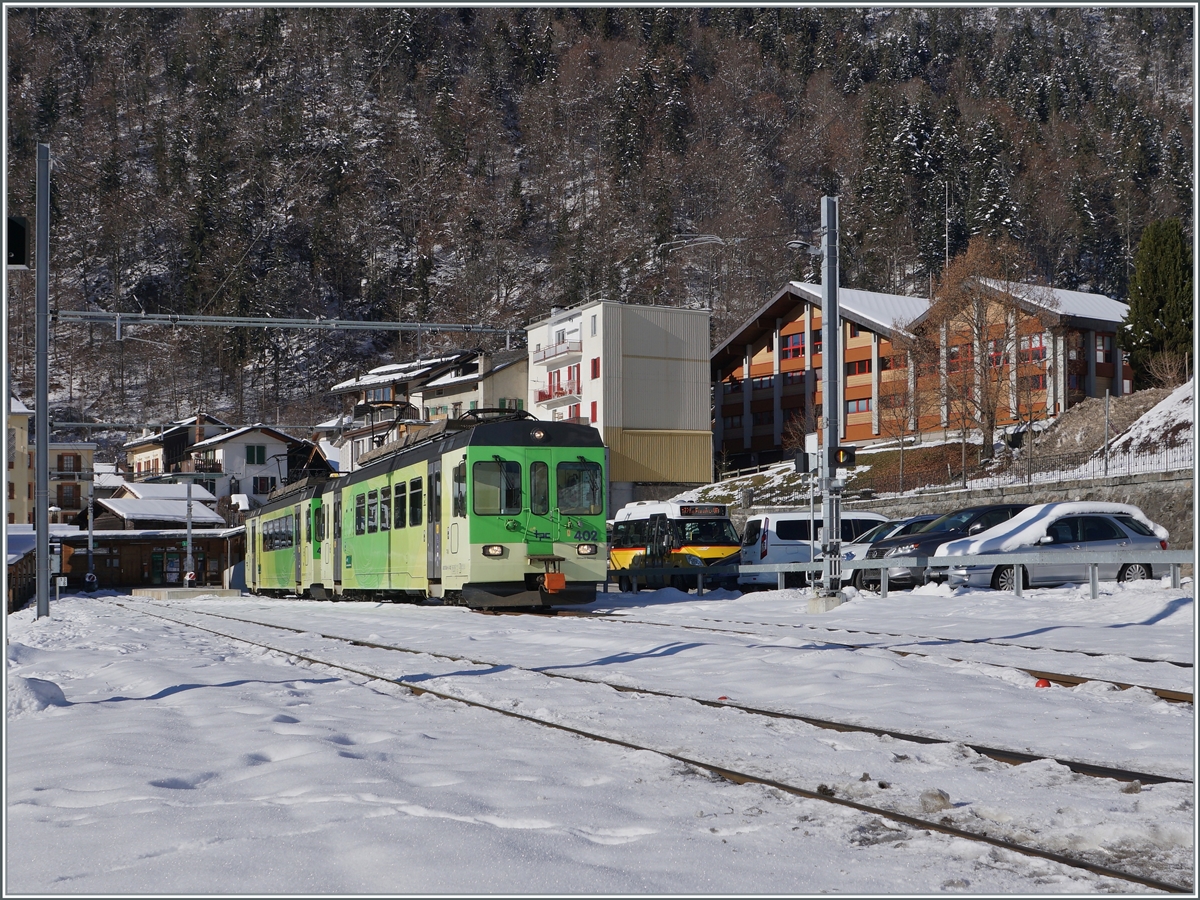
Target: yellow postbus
{"x":666,"y":534}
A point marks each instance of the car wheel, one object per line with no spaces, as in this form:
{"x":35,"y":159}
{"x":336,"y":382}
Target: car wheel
{"x":856,"y":581}
{"x":624,"y":584}
{"x":1004,"y":579}
{"x":1134,"y":572}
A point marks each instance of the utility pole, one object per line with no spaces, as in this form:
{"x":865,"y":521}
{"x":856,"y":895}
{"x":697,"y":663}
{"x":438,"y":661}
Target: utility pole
{"x":831,"y":487}
{"x":41,"y":413}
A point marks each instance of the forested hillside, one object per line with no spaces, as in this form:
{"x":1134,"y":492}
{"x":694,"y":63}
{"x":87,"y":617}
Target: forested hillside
{"x":482,"y":165}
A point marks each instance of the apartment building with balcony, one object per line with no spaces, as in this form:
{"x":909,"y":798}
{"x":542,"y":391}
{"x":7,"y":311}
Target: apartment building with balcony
{"x":1052,"y":347}
{"x":638,"y":374}
{"x":71,"y":468}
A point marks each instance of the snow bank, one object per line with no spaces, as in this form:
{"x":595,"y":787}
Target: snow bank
{"x":30,"y":695}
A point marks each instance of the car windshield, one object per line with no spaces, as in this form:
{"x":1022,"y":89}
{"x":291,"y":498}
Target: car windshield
{"x":950,"y":522}
{"x":878,"y":533}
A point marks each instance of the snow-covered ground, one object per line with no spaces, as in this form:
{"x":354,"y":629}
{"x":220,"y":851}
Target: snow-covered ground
{"x":145,"y":755}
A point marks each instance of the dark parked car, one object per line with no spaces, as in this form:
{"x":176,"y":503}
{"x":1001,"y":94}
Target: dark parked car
{"x":945,"y":528}
{"x":857,"y":549}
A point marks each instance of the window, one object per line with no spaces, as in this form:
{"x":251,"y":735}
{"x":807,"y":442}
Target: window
{"x":12,"y":491}
{"x":1033,"y":348}
{"x":376,"y":395}
{"x":67,"y":462}
{"x":372,"y":511}
{"x":793,"y":377}
{"x":539,"y":488}
{"x":319,"y":523}
{"x":458,"y":491}
{"x":958,"y":357}
{"x":593,"y":412}
{"x":398,"y":505}
{"x":580,"y":488}
{"x":256,"y":455}
{"x":996,"y":353}
{"x":1074,"y":382}
{"x":263,"y":484}
{"x":732,"y":421}
{"x":360,"y":514}
{"x":414,"y":502}
{"x":853,"y":329}
{"x":593,"y":325}
{"x":766,"y":417}
{"x":497,"y":487}
{"x":791,"y":346}
{"x":596,"y":367}
{"x":12,"y":446}
{"x":1104,"y":348}
{"x":733,"y":386}
{"x":385,"y":508}
{"x":858,"y":367}
{"x":573,"y":411}
{"x":308,"y":525}
{"x":857,"y":406}
{"x":762,"y":382}
{"x":1098,"y":529}
{"x":899,"y":361}
{"x":560,"y":335}
{"x":1033,"y":382}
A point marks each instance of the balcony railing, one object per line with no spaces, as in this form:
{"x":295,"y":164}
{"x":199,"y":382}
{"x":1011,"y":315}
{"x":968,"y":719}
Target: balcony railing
{"x":562,"y":348}
{"x":199,"y":466}
{"x":558,"y":390}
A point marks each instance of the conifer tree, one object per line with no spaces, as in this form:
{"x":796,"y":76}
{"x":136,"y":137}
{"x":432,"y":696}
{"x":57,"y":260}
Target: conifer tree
{"x":1160,"y":298}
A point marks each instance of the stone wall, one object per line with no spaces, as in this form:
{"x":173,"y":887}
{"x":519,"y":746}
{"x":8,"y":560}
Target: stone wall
{"x":1165,"y":498}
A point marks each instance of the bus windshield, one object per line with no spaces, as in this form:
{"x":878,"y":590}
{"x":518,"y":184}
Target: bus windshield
{"x":705,"y":531}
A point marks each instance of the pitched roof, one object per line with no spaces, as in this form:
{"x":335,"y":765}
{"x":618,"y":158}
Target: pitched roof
{"x":157,"y":490}
{"x":161,"y":511}
{"x":396,"y":373}
{"x":265,"y":429}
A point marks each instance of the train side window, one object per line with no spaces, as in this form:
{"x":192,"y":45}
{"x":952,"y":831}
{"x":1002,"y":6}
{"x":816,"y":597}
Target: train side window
{"x":337,"y":518}
{"x":401,"y":499}
{"x":414,"y":502}
{"x":497,"y":487}
{"x":372,"y":511}
{"x":539,"y":488}
{"x":360,"y":514}
{"x":308,"y":525}
{"x":319,"y":524}
{"x":385,"y":508}
{"x":435,"y":499}
{"x":459,"y":508}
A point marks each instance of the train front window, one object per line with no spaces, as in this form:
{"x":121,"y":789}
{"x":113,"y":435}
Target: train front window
{"x":539,"y":488}
{"x":497,"y":487}
{"x":580,"y":488}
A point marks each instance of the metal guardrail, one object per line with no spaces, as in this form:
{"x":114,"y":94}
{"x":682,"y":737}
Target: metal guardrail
{"x":1172,"y":558}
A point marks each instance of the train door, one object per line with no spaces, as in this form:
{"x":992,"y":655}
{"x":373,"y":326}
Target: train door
{"x":433,"y":549}
{"x":337,"y":540}
{"x":297,"y":543}
{"x":251,"y":556}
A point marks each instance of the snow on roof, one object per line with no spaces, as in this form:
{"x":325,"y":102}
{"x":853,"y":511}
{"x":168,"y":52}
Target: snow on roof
{"x":450,"y":378}
{"x":109,"y":480}
{"x":241,"y":501}
{"x":162,"y":510}
{"x":393,"y":373}
{"x":17,"y":408}
{"x":245,"y":429}
{"x":888,"y":311}
{"x":1029,"y":526}
{"x":1067,"y":303}
{"x":22,"y":539}
{"x":333,"y":454}
{"x":142,"y":490}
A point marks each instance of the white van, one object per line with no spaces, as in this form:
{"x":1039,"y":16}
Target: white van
{"x":783,"y":537}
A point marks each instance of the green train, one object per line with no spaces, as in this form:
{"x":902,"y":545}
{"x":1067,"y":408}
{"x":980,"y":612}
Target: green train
{"x":491,"y":511}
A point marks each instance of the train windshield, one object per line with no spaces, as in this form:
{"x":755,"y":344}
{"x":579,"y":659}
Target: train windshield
{"x":580,"y":488}
{"x":497,"y":488}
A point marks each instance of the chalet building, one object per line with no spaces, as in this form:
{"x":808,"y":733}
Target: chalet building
{"x":394,"y":401}
{"x":158,"y":453}
{"x":253,"y":461}
{"x":636,"y":374}
{"x":1052,"y":347}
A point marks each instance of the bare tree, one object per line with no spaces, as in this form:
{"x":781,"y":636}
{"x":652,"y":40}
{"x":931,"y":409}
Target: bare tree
{"x":1167,"y":369}
{"x":903,"y":397}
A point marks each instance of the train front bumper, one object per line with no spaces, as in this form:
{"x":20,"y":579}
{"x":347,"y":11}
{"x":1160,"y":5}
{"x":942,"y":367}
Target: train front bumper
{"x":490,"y":595}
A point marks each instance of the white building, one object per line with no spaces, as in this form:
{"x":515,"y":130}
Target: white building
{"x":639,"y":374}
{"x":252,"y":460}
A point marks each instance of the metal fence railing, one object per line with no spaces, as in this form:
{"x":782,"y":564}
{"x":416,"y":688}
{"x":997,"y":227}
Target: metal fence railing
{"x":699,"y":577}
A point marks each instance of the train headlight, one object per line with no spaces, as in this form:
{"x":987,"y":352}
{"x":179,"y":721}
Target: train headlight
{"x":538,"y":434}
{"x":493,"y":550}
{"x":587,"y":549}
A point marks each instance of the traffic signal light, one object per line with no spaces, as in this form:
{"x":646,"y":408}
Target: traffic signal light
{"x":841,"y":457}
{"x":16,"y":243}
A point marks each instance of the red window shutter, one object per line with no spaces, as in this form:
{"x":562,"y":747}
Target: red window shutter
{"x":593,"y":410}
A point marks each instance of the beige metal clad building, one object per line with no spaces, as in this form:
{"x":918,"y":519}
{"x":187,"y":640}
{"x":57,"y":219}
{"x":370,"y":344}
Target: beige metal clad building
{"x":639,"y":374}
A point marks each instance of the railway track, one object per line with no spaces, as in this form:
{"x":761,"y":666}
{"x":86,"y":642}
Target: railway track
{"x":1000,"y":754}
{"x":1062,"y":679}
{"x":821,"y":793}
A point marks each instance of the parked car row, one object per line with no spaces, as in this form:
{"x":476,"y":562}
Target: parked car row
{"x":672,"y":535}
